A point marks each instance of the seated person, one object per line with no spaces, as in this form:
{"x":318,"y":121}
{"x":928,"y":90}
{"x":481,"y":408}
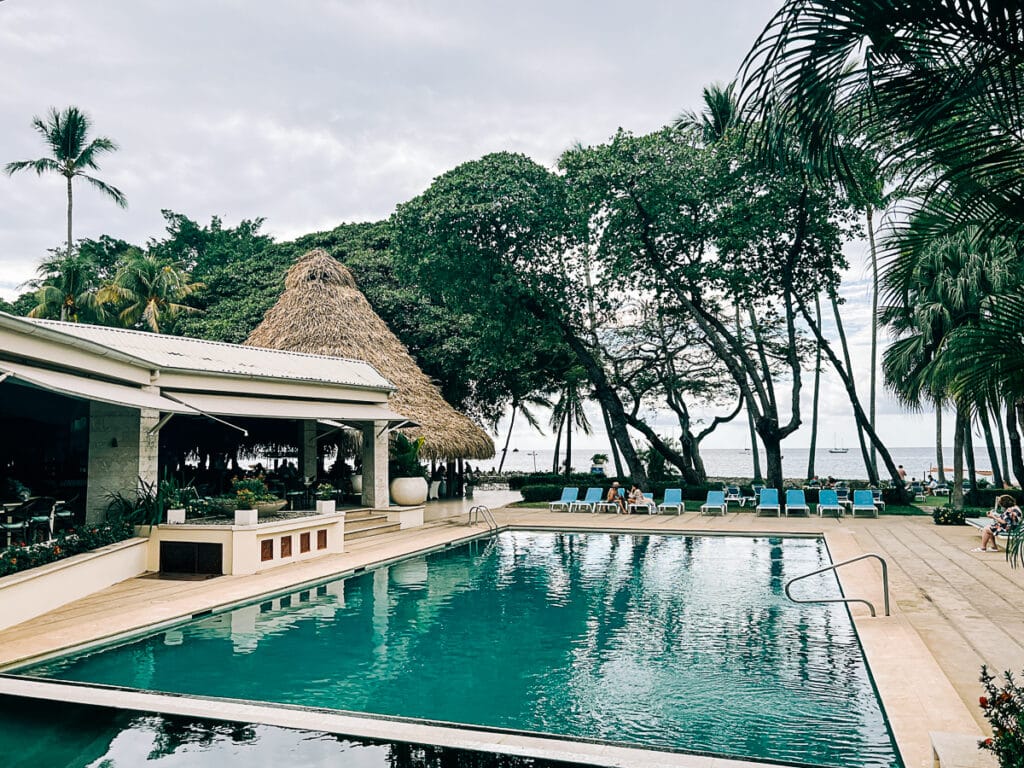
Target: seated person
{"x":636,"y":496}
{"x":619,"y":499}
{"x":1005,"y":517}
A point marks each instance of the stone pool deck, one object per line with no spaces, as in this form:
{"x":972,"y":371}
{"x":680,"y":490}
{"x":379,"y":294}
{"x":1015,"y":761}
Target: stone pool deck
{"x":953,"y":609}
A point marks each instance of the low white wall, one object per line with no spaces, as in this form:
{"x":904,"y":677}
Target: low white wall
{"x":31,"y":593}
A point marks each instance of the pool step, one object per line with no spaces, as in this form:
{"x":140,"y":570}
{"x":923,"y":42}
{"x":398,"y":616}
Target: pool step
{"x":365,"y":523}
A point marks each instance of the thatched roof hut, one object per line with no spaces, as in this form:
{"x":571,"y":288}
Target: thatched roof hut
{"x":323,"y":312}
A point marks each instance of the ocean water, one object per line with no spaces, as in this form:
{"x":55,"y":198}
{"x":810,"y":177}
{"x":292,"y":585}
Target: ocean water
{"x":721,"y":462}
{"x":679,"y":642}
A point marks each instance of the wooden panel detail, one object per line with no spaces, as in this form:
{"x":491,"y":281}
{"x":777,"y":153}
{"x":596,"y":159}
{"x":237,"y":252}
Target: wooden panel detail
{"x":321,"y":539}
{"x":286,"y":546}
{"x":304,"y":542}
{"x":267,"y":550}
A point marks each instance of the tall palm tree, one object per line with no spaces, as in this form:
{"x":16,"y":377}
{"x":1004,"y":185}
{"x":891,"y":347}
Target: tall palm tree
{"x":568,"y":410}
{"x":72,"y":154}
{"x":147,"y":289}
{"x":719,"y":116}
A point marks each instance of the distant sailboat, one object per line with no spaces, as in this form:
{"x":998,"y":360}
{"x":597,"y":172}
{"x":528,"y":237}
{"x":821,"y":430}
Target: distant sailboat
{"x":836,"y":448}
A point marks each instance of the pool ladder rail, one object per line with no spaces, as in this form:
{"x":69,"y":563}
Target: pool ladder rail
{"x":481,"y":512}
{"x":835,"y":566}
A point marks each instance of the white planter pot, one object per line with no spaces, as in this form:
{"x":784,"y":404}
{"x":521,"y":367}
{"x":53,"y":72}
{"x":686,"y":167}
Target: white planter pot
{"x":325,"y":506}
{"x":357,"y":483}
{"x":246,"y":517}
{"x":175,"y":516}
{"x":408,"y":491}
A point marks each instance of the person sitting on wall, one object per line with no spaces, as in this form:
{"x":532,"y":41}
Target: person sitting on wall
{"x":1005,"y":517}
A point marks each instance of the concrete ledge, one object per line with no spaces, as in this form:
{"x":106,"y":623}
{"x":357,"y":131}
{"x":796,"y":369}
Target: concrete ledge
{"x":406,"y":517}
{"x":36,"y":591}
{"x":960,"y":750}
{"x":380,"y":728}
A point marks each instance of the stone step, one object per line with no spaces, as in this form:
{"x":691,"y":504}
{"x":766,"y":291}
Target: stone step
{"x":364,"y":522}
{"x":373,"y":528}
{"x":360,"y":514}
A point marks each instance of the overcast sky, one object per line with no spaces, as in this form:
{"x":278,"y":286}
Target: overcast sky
{"x":318,"y":112}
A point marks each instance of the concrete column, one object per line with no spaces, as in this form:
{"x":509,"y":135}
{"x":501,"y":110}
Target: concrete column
{"x":307,"y":448}
{"x":121,"y":452}
{"x":375,"y":465}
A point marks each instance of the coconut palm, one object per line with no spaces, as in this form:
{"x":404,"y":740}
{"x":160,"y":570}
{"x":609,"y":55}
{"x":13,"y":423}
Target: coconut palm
{"x":67,"y":290}
{"x":941,"y":76}
{"x":568,"y":411}
{"x":67,"y":134}
{"x":147,"y":289}
{"x":719,"y":116}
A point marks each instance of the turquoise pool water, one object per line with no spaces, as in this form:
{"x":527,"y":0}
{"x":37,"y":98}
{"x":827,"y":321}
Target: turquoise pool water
{"x":663,"y":641}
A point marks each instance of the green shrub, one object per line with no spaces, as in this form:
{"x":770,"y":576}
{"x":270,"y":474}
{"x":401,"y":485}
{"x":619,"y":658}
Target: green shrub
{"x":541,"y":492}
{"x":948,"y":516}
{"x":986,"y":498}
{"x":85,"y":539}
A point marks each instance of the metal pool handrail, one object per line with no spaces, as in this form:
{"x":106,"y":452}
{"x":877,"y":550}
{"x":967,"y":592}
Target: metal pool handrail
{"x":481,"y":512}
{"x":834,"y":566}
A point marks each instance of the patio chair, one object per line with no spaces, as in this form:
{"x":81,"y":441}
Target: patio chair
{"x":941,"y":490}
{"x":673,"y":499}
{"x":796,"y":503}
{"x":829,"y":502}
{"x":876,"y":495}
{"x":31,"y":519}
{"x":768,"y":502}
{"x":918,"y":490}
{"x":569,"y":495}
{"x":863,"y":501}
{"x":612,"y":506}
{"x":715,"y":500}
{"x":587,"y":502}
{"x":647,"y":505}
{"x":732,"y":493}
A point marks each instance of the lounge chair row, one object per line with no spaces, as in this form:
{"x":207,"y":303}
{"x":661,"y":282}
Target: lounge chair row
{"x":717,"y":502}
{"x":594,"y":501}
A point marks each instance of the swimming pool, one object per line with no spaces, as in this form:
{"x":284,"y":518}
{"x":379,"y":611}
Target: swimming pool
{"x":671,"y":642}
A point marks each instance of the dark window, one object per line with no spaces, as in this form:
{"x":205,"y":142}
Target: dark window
{"x":191,"y":557}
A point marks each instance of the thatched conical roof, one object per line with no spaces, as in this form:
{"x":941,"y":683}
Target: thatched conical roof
{"x":323,"y":312}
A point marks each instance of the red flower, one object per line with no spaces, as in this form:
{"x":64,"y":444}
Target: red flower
{"x":988,"y":742}
{"x":983,"y":701}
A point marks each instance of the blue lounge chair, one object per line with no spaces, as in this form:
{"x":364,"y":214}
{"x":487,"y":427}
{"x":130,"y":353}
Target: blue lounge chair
{"x":918,"y":490}
{"x":796,"y":503}
{"x":586,"y":504}
{"x":732,"y":493}
{"x":876,"y":494}
{"x":829,"y":502}
{"x":649,"y":506}
{"x":863,"y":501}
{"x":768,"y":503}
{"x":673,"y":500}
{"x":715,"y":500}
{"x":611,"y":506}
{"x":569,"y":495}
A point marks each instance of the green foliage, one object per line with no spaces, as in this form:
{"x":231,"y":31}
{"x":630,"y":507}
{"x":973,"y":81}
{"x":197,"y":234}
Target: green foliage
{"x":254,"y":486}
{"x":405,"y":457}
{"x":948,"y":516}
{"x":146,"y":506}
{"x":17,"y":558}
{"x":1003,"y":706}
{"x":325,"y":491}
{"x":541,"y":492}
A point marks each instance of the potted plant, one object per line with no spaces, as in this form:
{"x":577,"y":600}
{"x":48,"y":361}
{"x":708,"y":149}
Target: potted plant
{"x":245,"y":507}
{"x":175,"y":500}
{"x":264,"y":502}
{"x":409,"y":478}
{"x":325,"y":499}
{"x":597,"y":462}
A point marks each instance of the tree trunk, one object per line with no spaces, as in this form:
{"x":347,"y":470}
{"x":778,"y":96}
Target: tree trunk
{"x":676,"y":459}
{"x":956,"y":493}
{"x":972,"y":473}
{"x":874,"y":325}
{"x":558,"y":446}
{"x":511,"y":423}
{"x":990,"y":446}
{"x":754,"y":452}
{"x":814,"y":409}
{"x":568,"y":440}
{"x":940,"y":458}
{"x":1004,"y":464}
{"x":773,"y":461}
{"x":869,"y":465}
{"x":1014,"y":436}
{"x":611,"y":440}
{"x":69,"y":218}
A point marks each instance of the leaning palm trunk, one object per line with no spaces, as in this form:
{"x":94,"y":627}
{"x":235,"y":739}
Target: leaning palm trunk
{"x":814,"y":409}
{"x":558,"y":445}
{"x":1004,"y":464}
{"x":940,"y":459}
{"x":1016,"y":455}
{"x":972,"y":471}
{"x":874,"y":327}
{"x":616,"y":458}
{"x":869,"y":463}
{"x":956,"y":495}
{"x":511,"y":423}
{"x":990,"y":446}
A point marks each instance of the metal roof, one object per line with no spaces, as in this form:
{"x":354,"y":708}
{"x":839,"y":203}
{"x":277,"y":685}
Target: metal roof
{"x":198,"y":355}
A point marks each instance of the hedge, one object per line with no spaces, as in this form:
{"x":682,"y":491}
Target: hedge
{"x":20,"y":558}
{"x":986,"y":498}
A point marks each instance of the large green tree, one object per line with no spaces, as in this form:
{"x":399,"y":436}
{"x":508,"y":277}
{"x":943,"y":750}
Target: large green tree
{"x":72,"y":155}
{"x":147,"y":290}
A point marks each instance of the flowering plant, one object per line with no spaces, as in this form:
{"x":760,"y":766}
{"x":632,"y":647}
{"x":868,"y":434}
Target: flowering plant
{"x":246,"y":499}
{"x":1004,"y":709}
{"x":325,"y":491}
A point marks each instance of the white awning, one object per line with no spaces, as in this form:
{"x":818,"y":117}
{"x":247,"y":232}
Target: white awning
{"x":273,"y":408}
{"x":92,"y":389}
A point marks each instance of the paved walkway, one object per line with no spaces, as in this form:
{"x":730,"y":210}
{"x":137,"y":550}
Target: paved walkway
{"x":954,"y":610}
